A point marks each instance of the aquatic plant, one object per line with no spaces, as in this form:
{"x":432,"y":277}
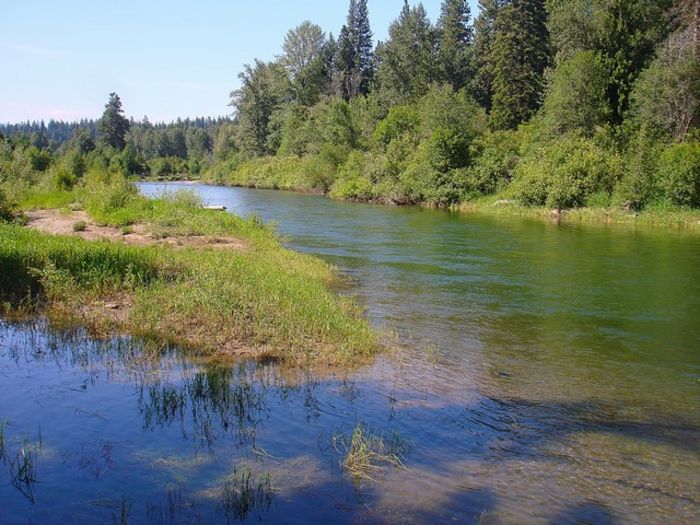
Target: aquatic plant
{"x":366,"y":454}
{"x":124,"y":510}
{"x":23,"y":471}
{"x":244,"y":492}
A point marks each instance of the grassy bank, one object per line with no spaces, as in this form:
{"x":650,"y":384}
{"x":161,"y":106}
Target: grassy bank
{"x":661,"y":216}
{"x":255,"y":298}
{"x":294,"y":174}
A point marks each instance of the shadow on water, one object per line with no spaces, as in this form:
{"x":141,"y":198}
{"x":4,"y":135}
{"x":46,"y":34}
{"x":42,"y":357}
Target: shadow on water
{"x":147,"y":438}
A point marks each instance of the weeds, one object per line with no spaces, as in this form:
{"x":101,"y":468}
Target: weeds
{"x":244,"y":493}
{"x":124,"y":510}
{"x":23,"y":471}
{"x":366,"y":455}
{"x":80,"y":226}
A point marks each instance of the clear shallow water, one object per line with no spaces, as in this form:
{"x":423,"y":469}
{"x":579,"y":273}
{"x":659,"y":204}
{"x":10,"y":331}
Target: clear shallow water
{"x":551,"y":374}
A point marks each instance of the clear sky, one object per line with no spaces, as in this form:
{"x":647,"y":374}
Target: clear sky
{"x":165,"y":59}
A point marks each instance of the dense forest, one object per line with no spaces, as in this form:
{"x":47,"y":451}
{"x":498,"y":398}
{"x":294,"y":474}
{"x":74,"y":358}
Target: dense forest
{"x":557,"y":103}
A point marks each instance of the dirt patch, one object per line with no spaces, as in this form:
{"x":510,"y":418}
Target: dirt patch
{"x":59,"y":223}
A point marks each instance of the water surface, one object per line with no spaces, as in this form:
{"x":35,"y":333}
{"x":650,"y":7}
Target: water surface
{"x":548,"y":374}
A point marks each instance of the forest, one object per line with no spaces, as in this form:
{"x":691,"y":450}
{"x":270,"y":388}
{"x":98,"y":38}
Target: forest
{"x":558,"y":103}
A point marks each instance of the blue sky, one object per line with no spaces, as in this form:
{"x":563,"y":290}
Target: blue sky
{"x":165,"y":59}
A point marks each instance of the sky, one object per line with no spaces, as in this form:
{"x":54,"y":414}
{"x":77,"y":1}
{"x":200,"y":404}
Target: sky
{"x":165,"y":59}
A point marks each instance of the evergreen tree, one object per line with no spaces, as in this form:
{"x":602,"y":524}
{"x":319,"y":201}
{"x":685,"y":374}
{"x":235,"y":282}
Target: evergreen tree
{"x":484,"y":35}
{"x":354,"y":64}
{"x":113,"y":124}
{"x":407,"y":62}
{"x":455,"y":43}
{"x":519,"y":57}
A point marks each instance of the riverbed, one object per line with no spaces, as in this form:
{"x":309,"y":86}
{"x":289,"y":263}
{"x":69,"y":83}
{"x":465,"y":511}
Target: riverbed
{"x":545,"y":373}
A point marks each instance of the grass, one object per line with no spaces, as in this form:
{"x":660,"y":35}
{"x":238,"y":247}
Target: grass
{"x":366,"y":454}
{"x":263,"y":299}
{"x":244,"y":493}
{"x":80,"y":226}
{"x":654,"y":215}
{"x":23,"y":471}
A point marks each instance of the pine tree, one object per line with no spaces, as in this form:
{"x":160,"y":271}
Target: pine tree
{"x":354,"y":63}
{"x":484,"y":34}
{"x":519,"y":57}
{"x":407,"y":62}
{"x":455,"y":43}
{"x":113,"y":124}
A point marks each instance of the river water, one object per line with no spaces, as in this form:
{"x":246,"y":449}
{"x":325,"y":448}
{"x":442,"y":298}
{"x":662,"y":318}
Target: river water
{"x":546,"y":374}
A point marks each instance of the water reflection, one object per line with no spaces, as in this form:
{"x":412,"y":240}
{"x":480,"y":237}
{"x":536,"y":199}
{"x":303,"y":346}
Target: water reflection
{"x":168,"y":439}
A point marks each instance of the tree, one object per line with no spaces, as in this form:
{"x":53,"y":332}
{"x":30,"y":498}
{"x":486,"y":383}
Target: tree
{"x":665,"y":101}
{"x":265,"y":87}
{"x":304,"y":58}
{"x":625,"y":33}
{"x":576,"y":100}
{"x":407,"y":62}
{"x":481,"y":85}
{"x":113,"y":124}
{"x":354,"y":63}
{"x":520,"y":55}
{"x":455,"y":43}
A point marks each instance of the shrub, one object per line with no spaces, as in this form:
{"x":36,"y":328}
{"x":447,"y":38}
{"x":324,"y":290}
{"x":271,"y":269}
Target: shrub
{"x":79,"y":226}
{"x":400,"y":120}
{"x":7,"y":207}
{"x":496,"y":158}
{"x":679,"y":173}
{"x":565,"y":174}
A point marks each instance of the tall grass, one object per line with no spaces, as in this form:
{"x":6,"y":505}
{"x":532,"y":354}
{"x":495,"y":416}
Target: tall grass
{"x":262,"y":299}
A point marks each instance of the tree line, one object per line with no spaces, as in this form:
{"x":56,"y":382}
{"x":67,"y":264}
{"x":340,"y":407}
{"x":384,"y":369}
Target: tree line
{"x":551,"y":102}
{"x":558,"y":103}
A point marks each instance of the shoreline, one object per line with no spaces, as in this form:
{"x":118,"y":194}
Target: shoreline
{"x":671,"y":220}
{"x":172,"y":272}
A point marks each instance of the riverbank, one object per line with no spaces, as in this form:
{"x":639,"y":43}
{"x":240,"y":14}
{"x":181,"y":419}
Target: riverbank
{"x":168,"y":270}
{"x":672,"y":218}
{"x":661,"y":216}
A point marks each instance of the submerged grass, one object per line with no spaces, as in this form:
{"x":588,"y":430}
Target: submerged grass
{"x":366,"y":454}
{"x":262,"y":299}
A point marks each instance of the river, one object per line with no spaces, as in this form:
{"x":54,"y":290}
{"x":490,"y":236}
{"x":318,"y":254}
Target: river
{"x":545,"y":373}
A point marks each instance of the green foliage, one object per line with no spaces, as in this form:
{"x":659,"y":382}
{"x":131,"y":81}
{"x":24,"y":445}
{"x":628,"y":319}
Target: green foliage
{"x":497,"y":155}
{"x":679,"y":173}
{"x":666,"y":98}
{"x":79,"y":226}
{"x":576,"y":100}
{"x":454,"y":59}
{"x":39,"y":159}
{"x":407,"y":65}
{"x":400,"y":120}
{"x":8,"y":208}
{"x":167,"y":167}
{"x":566,"y":174}
{"x":519,"y":56}
{"x":113,"y":124}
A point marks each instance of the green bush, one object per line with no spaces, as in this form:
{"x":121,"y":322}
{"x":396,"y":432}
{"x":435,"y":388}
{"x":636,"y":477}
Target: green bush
{"x":167,"y":167}
{"x":679,"y":173}
{"x":7,"y":207}
{"x":565,"y":174}
{"x":400,"y":120}
{"x":496,"y":158}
